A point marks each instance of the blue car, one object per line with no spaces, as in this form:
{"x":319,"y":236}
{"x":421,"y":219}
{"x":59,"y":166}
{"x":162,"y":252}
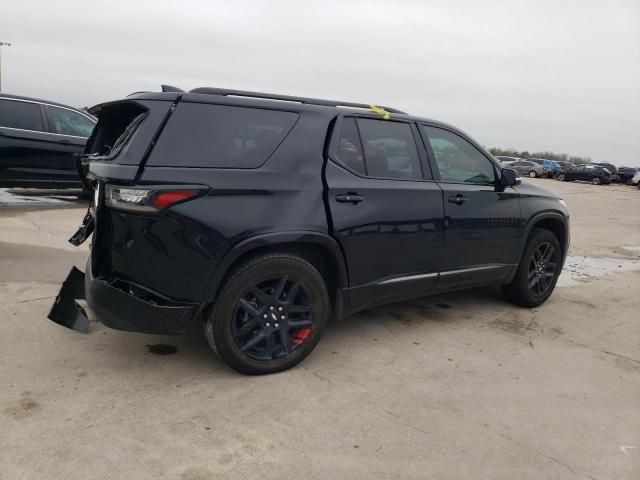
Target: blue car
{"x":552,"y":166}
{"x":627,"y":173}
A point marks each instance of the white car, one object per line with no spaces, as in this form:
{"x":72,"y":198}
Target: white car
{"x":636,"y":179}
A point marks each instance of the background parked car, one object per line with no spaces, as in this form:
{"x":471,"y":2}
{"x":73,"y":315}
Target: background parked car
{"x":627,"y":173}
{"x":564,"y":165}
{"x":636,"y":179}
{"x":552,"y":166}
{"x":588,"y":173}
{"x":504,"y":160}
{"x":38,"y":140}
{"x":531,"y":169}
{"x":613,"y":170}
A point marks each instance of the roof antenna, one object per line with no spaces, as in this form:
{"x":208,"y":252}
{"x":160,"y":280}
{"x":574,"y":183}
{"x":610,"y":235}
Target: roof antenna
{"x":171,"y":88}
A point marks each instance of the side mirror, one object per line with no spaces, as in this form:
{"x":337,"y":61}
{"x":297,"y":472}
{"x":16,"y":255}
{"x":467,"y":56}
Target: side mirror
{"x":509,"y":177}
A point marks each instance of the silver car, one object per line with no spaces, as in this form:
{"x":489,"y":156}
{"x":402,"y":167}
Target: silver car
{"x":531,"y":169}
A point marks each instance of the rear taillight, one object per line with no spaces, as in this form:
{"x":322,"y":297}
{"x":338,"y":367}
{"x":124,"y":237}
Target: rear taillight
{"x":166,"y":199}
{"x":147,"y":199}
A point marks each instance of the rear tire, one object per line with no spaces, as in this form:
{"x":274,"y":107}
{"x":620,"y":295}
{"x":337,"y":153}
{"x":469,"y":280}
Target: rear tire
{"x":270,"y":314}
{"x":533,"y":174}
{"x":538,"y":271}
{"x":561,"y":177}
{"x":596,"y":180}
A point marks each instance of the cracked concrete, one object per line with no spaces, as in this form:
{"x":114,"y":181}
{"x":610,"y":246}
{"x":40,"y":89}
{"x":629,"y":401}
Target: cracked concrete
{"x":454,"y":387}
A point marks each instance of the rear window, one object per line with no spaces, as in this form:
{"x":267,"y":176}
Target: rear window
{"x":22,"y":115}
{"x":221,"y":136}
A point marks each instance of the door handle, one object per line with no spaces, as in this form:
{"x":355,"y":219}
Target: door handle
{"x":350,"y":197}
{"x":65,"y":142}
{"x":457,"y":199}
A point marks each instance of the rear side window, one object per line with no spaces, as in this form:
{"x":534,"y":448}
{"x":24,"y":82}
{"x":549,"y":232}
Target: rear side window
{"x":221,"y":136}
{"x":349,"y":149}
{"x":390,"y":149}
{"x":22,"y":115}
{"x":68,"y":122}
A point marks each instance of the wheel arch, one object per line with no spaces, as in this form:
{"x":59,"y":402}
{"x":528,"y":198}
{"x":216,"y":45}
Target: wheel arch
{"x":555,"y":222}
{"x":319,"y":249}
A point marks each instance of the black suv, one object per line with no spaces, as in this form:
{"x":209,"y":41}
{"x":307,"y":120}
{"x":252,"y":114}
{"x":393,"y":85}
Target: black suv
{"x":595,"y":174}
{"x":38,"y":139}
{"x":262,"y":216}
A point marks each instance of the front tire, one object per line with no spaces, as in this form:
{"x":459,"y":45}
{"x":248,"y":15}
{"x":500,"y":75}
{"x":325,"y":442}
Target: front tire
{"x":538,"y":271}
{"x":270,"y":315}
{"x":596,"y":180}
{"x":561,"y":177}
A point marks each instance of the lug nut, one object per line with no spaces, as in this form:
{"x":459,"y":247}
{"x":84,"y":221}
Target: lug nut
{"x":276,"y":325}
{"x":271,"y":307}
{"x":265,"y":315}
{"x":282,"y":317}
{"x":267,"y":324}
{"x":279,"y":309}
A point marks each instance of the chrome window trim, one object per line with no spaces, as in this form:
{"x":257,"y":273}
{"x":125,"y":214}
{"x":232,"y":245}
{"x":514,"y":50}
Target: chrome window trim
{"x":27,"y":130}
{"x":88,"y":117}
{"x":40,"y":131}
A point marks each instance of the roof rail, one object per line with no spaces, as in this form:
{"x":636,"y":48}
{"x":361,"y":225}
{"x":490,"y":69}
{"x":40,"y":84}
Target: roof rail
{"x":286,"y":98}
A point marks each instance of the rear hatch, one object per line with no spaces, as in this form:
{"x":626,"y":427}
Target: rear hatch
{"x":115,"y":154}
{"x":124,"y":135}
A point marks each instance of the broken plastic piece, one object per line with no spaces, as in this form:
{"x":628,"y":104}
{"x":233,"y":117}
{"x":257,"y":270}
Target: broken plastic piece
{"x":66,"y":311}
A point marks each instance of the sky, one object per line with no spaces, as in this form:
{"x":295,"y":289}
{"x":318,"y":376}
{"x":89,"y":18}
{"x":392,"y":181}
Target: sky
{"x":536,"y":75}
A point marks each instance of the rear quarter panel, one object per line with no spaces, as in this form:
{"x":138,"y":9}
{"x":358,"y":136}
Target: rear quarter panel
{"x":176,"y":254}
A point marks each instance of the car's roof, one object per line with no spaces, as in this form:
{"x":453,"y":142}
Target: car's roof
{"x":39,"y":100}
{"x":266,"y":100}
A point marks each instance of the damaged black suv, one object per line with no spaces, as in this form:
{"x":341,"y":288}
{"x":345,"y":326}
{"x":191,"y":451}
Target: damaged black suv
{"x":262,"y":216}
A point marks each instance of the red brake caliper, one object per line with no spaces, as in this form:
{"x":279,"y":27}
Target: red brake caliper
{"x":300,"y":335}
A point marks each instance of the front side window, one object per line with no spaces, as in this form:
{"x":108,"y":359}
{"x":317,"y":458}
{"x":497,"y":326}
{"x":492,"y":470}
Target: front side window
{"x":458,"y":161}
{"x":389,"y":149}
{"x":21,"y":115}
{"x":68,"y":122}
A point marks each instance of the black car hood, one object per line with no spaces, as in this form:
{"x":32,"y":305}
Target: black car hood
{"x":531,"y":190}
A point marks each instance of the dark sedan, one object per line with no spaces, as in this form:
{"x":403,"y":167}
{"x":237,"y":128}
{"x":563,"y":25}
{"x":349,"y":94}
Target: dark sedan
{"x":38,"y":140}
{"x":588,"y":173}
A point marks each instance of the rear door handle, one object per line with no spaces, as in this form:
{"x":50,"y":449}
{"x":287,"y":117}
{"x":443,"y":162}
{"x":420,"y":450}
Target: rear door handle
{"x":350,"y":197}
{"x":457,"y":199}
{"x":65,"y":142}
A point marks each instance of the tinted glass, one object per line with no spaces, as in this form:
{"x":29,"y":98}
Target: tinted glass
{"x":23,"y":115}
{"x":349,"y":149}
{"x":220,"y":136}
{"x":457,"y":159}
{"x":390,"y":149}
{"x":67,"y":122}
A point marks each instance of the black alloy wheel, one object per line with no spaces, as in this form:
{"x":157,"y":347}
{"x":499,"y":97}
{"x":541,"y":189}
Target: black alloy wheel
{"x":270,"y":314}
{"x":596,"y":180}
{"x":538,"y":270}
{"x":273,"y":318}
{"x":542,"y":268}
